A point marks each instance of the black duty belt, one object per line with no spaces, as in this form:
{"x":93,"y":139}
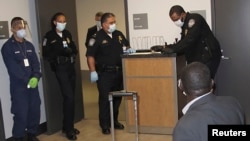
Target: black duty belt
{"x":112,"y":68}
{"x":64,"y":59}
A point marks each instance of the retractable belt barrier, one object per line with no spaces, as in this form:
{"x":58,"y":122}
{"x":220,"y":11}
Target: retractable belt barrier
{"x":119,"y":94}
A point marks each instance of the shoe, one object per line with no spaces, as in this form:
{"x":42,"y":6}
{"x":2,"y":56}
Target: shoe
{"x":118,"y":125}
{"x":32,"y":137}
{"x":71,"y":135}
{"x":106,"y":131}
{"x":76,"y":131}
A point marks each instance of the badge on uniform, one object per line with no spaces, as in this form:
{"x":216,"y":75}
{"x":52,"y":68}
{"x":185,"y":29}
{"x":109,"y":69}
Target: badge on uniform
{"x":120,"y":39}
{"x":26,"y":62}
{"x":68,"y":40}
{"x":191,"y":23}
{"x":104,"y":42}
{"x":65,"y":45}
{"x":186,"y":31}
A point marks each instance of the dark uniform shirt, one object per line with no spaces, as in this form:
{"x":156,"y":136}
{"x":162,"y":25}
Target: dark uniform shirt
{"x":107,"y":50}
{"x":14,"y":53}
{"x":197,"y":40}
{"x":55,"y":46}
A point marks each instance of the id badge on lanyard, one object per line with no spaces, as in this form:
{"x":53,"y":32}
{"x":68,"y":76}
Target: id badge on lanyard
{"x":26,"y":62}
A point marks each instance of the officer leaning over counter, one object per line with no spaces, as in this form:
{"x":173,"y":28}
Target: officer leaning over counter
{"x":105,"y":64}
{"x":23,"y":67}
{"x":60,"y":50}
{"x":197,"y":40}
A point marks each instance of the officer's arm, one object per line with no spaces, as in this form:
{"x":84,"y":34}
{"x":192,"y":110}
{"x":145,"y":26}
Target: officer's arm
{"x":87,"y":38}
{"x":192,"y":35}
{"x":91,"y":63}
{"x":35,"y":64}
{"x":12,"y":65}
{"x":72,"y":43}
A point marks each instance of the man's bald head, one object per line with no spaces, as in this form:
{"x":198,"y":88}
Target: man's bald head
{"x":196,"y":79}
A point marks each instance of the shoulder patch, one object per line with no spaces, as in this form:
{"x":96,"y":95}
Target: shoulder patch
{"x":191,"y":23}
{"x":91,"y":42}
{"x":44,"y":41}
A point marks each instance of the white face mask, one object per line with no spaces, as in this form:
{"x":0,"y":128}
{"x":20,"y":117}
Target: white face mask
{"x":98,"y":24}
{"x":179,"y":23}
{"x":21,"y":33}
{"x":112,"y":28}
{"x":60,"y":26}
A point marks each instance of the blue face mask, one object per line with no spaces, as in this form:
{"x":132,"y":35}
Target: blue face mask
{"x":60,"y":26}
{"x":112,"y":28}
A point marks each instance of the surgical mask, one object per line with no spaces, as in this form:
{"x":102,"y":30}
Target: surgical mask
{"x":98,"y":24}
{"x":179,"y":23}
{"x":112,"y":28}
{"x":60,"y":26}
{"x":21,"y":33}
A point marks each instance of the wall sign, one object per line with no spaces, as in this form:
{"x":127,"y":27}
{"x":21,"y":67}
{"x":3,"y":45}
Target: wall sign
{"x":140,"y":21}
{"x":4,"y":30}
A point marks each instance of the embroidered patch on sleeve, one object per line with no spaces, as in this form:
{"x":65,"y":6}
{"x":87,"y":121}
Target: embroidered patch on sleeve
{"x":191,"y":23}
{"x":91,"y":42}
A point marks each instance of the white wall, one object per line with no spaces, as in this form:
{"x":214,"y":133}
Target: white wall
{"x":159,"y":22}
{"x":8,"y":10}
{"x":86,"y":10}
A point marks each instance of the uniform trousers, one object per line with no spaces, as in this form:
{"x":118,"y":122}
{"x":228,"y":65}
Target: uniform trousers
{"x":25,"y":106}
{"x":66,"y":76}
{"x":108,"y":82}
{"x":213,"y":65}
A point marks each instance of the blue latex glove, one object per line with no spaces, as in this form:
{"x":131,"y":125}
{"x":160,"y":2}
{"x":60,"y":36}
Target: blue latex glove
{"x":130,"y":50}
{"x":93,"y":76}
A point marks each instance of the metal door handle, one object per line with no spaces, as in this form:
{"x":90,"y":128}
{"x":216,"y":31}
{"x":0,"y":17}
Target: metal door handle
{"x":225,"y":57}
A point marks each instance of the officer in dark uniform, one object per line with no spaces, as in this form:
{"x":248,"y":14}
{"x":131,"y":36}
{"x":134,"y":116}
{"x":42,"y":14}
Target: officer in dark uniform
{"x":60,"y":50}
{"x":197,"y":40}
{"x":92,"y":30}
{"x":104,"y":61}
{"x":23,"y":67}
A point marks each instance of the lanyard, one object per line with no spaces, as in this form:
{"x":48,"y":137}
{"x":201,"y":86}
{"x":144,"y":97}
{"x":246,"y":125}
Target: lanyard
{"x":21,"y":46}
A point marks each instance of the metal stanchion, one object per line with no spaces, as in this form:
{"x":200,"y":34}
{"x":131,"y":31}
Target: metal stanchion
{"x":123,"y":93}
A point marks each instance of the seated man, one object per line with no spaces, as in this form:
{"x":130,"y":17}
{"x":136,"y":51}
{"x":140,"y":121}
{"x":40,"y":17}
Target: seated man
{"x":203,"y":108}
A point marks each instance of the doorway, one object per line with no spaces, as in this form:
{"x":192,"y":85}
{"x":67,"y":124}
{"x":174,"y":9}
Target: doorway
{"x":232,"y":30}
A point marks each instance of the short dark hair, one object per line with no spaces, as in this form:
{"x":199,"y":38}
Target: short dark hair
{"x":54,"y":17}
{"x":99,"y":14}
{"x":176,"y":9}
{"x":14,"y":20}
{"x":105,"y":16}
{"x":196,"y":76}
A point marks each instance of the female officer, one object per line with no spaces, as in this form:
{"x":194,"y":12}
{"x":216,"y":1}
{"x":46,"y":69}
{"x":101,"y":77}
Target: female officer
{"x":60,"y":50}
